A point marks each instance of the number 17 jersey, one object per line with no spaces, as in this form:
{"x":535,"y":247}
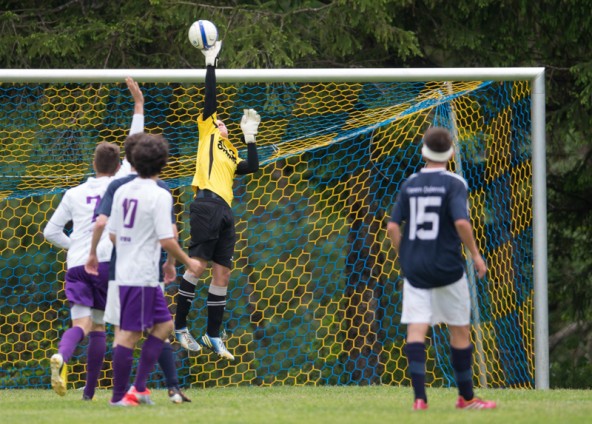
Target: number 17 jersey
{"x":428,"y":204}
{"x":140,"y":218}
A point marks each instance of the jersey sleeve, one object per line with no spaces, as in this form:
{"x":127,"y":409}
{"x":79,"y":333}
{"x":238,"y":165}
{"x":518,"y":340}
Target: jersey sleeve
{"x":54,"y":230}
{"x":459,"y":206}
{"x":115,"y":218}
{"x":162,"y":212}
{"x":137,"y":124}
{"x":106,"y":204}
{"x":165,"y":186}
{"x":400,"y":211}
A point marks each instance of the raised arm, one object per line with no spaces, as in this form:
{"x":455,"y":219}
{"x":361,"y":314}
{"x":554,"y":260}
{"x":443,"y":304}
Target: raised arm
{"x":249,"y":125}
{"x":138,"y":118}
{"x":210,"y":102}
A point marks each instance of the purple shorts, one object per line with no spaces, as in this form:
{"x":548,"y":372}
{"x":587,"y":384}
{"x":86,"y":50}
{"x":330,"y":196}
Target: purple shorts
{"x":85,"y":289}
{"x":142,"y":307}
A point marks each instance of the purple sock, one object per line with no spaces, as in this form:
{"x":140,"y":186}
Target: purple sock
{"x":97,"y":347}
{"x":150,"y":352}
{"x":123,"y":360}
{"x":70,"y":340}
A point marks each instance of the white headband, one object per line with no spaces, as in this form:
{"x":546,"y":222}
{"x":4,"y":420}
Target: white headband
{"x":436,"y":156}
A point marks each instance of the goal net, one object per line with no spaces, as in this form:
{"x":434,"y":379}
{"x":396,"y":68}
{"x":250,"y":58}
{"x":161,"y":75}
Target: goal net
{"x":315,"y":294}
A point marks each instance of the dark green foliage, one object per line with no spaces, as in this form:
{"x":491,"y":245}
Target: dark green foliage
{"x":555,"y":34}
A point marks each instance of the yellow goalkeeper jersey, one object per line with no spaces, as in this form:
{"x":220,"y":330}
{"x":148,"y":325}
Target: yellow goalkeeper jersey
{"x":216,"y":160}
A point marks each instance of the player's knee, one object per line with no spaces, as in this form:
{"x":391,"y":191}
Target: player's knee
{"x":163,"y":330}
{"x":193,"y":278}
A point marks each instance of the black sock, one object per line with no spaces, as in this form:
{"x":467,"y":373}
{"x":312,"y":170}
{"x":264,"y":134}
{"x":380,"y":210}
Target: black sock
{"x":166,"y":360}
{"x":216,"y":307}
{"x":416,"y":358}
{"x":185,"y":298}
{"x":463,"y":373}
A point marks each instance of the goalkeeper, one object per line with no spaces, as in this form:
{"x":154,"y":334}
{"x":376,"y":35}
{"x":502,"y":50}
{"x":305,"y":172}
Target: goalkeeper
{"x":213,"y":233}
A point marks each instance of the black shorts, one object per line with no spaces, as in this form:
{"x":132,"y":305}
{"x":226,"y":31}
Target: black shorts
{"x":212,"y":230}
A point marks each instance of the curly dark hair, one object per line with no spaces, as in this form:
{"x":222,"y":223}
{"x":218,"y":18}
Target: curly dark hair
{"x":128,"y":146}
{"x":150,"y":154}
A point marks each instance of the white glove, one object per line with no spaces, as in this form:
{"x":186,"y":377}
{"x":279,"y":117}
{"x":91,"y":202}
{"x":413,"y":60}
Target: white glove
{"x":211,"y":54}
{"x":249,"y":124}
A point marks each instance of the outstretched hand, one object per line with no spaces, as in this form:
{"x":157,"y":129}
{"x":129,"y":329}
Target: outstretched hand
{"x":135,"y":91}
{"x":211,"y":54}
{"x":250,"y":124}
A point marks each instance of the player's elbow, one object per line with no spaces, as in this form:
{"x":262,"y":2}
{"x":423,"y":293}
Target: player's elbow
{"x":49,"y":234}
{"x":462,"y":225}
{"x":101,"y":222}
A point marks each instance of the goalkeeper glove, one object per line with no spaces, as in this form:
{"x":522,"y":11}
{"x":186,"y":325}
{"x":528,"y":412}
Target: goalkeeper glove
{"x":211,"y":54}
{"x":249,"y":124}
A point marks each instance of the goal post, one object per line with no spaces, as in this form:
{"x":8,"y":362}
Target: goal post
{"x":315,"y":293}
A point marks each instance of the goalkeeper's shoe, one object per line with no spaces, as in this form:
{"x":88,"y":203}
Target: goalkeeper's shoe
{"x":177,"y":396}
{"x":419,"y":405}
{"x":474,"y":403}
{"x":216,"y":345}
{"x":127,"y":400}
{"x":139,"y":397}
{"x":59,"y":374}
{"x":186,"y":340}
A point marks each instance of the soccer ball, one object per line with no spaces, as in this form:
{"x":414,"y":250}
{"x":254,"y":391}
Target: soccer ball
{"x":203,"y":34}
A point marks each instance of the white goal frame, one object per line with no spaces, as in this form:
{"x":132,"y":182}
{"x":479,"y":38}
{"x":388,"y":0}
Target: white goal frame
{"x":535,"y":75}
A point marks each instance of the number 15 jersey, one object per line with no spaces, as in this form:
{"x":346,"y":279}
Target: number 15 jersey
{"x":429,"y":203}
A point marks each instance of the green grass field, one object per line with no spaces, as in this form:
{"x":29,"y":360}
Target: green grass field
{"x":301,"y":405}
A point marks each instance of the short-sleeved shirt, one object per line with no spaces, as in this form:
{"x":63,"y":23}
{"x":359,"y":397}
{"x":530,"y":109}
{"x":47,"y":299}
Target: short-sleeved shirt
{"x":140,"y":218}
{"x":78,"y":205}
{"x":429,"y":203}
{"x":217,"y":160}
{"x":106,"y":204}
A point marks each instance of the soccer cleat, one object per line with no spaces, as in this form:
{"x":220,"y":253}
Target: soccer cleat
{"x":177,"y":396}
{"x":86,"y":398}
{"x":217,"y":345}
{"x":127,"y":400}
{"x":419,"y":405}
{"x":59,"y":374}
{"x":474,"y":403}
{"x":186,"y":340}
{"x":139,"y":397}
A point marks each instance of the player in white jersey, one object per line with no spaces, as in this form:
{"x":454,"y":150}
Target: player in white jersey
{"x":126,"y":174}
{"x":86,"y":293}
{"x":139,"y":227}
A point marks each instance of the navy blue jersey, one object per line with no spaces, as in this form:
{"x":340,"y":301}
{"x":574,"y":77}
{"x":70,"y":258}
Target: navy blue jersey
{"x":429,"y":203}
{"x":106,"y":204}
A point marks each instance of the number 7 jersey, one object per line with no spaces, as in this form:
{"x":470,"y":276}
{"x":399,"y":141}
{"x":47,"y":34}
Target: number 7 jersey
{"x":429,"y":203}
{"x":78,"y":205}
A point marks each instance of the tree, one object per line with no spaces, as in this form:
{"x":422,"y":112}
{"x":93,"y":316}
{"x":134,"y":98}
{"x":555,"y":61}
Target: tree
{"x":366,"y":33}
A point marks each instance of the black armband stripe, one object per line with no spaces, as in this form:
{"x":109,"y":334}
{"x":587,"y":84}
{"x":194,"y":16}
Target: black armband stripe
{"x":211,"y":155}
